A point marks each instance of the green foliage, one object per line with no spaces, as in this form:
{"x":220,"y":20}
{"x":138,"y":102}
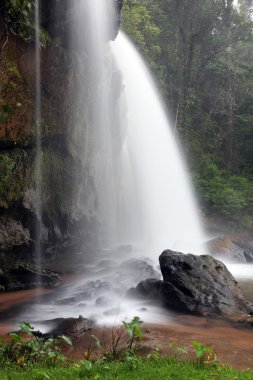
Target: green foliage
{"x":37,"y":355}
{"x":35,"y":350}
{"x":133,"y":329}
{"x":224,"y":194}
{"x":6,"y":168}
{"x":203,"y":58}
{"x":138,"y":22}
{"x":163,"y":368}
{"x":205,"y":354}
{"x":21,"y":15}
{"x":178,"y":351}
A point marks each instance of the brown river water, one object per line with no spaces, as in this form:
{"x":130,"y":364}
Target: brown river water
{"x":233,"y":342}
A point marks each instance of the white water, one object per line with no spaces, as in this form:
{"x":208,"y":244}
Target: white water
{"x":241,"y":271}
{"x":38,"y":171}
{"x":159,"y":205}
{"x":143,"y":197}
{"x":143,"y":192}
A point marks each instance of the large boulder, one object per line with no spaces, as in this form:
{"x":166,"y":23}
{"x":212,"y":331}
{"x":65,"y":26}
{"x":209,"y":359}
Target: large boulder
{"x":200,"y":284}
{"x":195,"y":284}
{"x":231,"y":249}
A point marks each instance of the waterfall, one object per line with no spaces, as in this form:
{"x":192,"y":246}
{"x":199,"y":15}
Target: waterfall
{"x":141,"y":195}
{"x":156,"y":199}
{"x":37,"y":117}
{"x":144,"y":197}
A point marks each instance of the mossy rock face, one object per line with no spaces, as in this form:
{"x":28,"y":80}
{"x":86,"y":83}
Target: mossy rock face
{"x":18,"y":89}
{"x":68,"y":141}
{"x":60,"y":184}
{"x":12,"y":233}
{"x":14,"y":166}
{"x":25,"y":277}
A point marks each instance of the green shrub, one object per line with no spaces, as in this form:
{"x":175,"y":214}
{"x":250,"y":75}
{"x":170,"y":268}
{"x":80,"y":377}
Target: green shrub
{"x":223,"y":194}
{"x":36,"y":350}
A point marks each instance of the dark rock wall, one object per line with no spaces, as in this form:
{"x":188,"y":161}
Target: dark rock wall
{"x":62,"y":133}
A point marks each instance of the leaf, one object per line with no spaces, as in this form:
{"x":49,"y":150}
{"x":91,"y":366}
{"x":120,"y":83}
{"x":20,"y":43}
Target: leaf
{"x":66,"y":339}
{"x":87,"y":364}
{"x":138,"y":332}
{"x":26,"y":327}
{"x":199,"y":352}
{"x":128,"y":328}
{"x":16,"y":337}
{"x":98,"y":343}
{"x":136,"y":321}
{"x":196,"y":344}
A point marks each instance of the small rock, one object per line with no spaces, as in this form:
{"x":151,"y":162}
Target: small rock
{"x":71,"y":327}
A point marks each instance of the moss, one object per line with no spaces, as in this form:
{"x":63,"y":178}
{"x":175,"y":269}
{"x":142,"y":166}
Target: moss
{"x":60,"y":183}
{"x":13,"y":169}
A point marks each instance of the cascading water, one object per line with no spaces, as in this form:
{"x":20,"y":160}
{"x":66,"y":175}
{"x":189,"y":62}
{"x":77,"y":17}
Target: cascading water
{"x":94,"y":18}
{"x":142,"y":198}
{"x":38,"y":174}
{"x":143,"y":195}
{"x":158,"y":200}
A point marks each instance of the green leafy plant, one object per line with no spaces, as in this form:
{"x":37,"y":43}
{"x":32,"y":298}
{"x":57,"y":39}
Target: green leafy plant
{"x":86,"y":364}
{"x":154,"y":355}
{"x":178,"y":351}
{"x":133,"y":329}
{"x":118,"y":348}
{"x":87,"y":354}
{"x":32,"y":349}
{"x":205,"y":354}
{"x":131,"y":359}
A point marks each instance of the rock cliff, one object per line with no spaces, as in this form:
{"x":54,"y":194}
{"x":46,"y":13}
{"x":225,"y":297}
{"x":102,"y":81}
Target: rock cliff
{"x":65,"y":227}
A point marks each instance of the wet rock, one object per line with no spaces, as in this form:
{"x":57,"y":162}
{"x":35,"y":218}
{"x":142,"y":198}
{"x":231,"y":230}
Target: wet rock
{"x":142,"y":309}
{"x":71,"y":327}
{"x":230,"y":248}
{"x":150,"y":289}
{"x":68,"y":301}
{"x":247,"y":249}
{"x":103,"y":287}
{"x":135,"y":270}
{"x":58,"y":27}
{"x":12,"y":234}
{"x":200,"y":284}
{"x":102,"y":301}
{"x":113,"y":311}
{"x":194,"y":284}
{"x":22,"y":277}
{"x":106,"y":264}
{"x":82,"y":304}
